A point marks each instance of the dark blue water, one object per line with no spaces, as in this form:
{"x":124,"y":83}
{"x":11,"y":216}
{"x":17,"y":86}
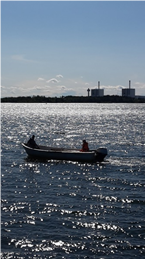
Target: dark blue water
{"x":67,"y":209}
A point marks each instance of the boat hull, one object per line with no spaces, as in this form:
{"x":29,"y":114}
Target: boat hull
{"x":50,"y":153}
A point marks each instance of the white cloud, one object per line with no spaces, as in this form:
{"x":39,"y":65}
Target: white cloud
{"x":61,"y":87}
{"x":59,"y":76}
{"x":41,"y":79}
{"x":65,"y":86}
{"x":140,"y":84}
{"x":111,"y":86}
{"x":17,"y":57}
{"x":52,"y":80}
{"x":21,"y":58}
{"x":2,"y":86}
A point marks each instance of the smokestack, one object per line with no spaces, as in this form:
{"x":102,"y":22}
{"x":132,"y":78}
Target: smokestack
{"x":129,"y":84}
{"x":98,"y":84}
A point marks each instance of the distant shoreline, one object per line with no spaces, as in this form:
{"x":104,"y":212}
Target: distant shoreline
{"x":73,"y":99}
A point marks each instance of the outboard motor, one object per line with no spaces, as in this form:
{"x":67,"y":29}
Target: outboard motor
{"x":101,"y":153}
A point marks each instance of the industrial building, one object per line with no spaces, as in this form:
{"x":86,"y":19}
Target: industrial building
{"x":97,"y":91}
{"x":128,"y":92}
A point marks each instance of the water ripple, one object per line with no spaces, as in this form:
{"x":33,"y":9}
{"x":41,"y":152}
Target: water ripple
{"x":53,"y":209}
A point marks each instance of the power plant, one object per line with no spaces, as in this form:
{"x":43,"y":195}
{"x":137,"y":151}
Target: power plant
{"x":97,"y":92}
{"x":128,"y":92}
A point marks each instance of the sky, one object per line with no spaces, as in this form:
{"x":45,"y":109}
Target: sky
{"x":60,"y":48}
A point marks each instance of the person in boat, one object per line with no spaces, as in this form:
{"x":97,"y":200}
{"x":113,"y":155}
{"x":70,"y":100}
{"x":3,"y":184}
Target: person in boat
{"x":31,"y":143}
{"x":85,"y":147}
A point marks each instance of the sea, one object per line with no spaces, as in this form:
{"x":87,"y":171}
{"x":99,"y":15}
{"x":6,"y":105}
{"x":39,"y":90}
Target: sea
{"x":73,"y":210}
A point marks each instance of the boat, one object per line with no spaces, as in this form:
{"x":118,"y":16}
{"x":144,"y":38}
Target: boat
{"x":53,"y":153}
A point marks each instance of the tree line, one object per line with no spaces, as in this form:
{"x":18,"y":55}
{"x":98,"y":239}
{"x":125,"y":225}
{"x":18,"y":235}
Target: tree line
{"x":73,"y":99}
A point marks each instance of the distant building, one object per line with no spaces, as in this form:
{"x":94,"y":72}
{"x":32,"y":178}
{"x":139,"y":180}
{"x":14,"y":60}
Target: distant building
{"x":97,"y":91}
{"x":88,"y":90}
{"x":128,"y":92}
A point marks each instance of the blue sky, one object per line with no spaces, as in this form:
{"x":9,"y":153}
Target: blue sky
{"x":56,"y":48}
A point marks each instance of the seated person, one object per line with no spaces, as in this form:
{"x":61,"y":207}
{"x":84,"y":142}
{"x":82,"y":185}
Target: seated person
{"x":85,"y":147}
{"x":31,"y":143}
